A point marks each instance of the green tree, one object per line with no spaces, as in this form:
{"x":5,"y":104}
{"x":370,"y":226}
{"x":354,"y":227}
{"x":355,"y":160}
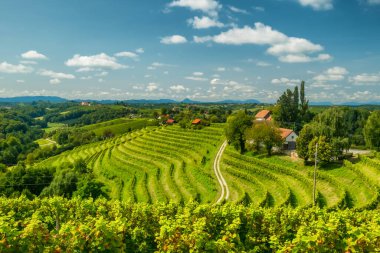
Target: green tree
{"x":325,"y":151}
{"x":305,"y":137}
{"x":235,"y":130}
{"x":372,"y":131}
{"x":265,"y":134}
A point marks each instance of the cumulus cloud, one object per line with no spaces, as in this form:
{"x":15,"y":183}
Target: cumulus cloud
{"x":33,"y":55}
{"x":287,"y":49}
{"x":55,"y":75}
{"x":127,"y":54}
{"x":301,"y":58}
{"x":211,"y":7}
{"x":319,"y":4}
{"x":260,"y":35}
{"x":197,"y":73}
{"x":6,"y":67}
{"x":178,"y":88}
{"x":286,"y":81}
{"x":263,"y":64}
{"x":101,"y":60}
{"x":365,"y":79}
{"x":294,"y":46}
{"x":332,"y":74}
{"x":204,"y":22}
{"x":174,"y":39}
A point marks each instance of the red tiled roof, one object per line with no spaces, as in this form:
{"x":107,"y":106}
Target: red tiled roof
{"x":263,"y":114}
{"x":269,"y":118}
{"x":285,"y":132}
{"x":196,"y":121}
{"x":170,"y":121}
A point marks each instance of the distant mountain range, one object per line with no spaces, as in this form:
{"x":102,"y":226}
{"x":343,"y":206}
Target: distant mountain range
{"x":54,"y":99}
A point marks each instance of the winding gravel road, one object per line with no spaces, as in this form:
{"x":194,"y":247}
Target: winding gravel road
{"x":223,"y":184}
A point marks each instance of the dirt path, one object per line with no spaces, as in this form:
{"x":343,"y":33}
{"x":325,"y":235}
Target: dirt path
{"x":223,"y":184}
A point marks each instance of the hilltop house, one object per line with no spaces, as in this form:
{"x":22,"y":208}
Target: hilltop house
{"x":263,"y":115}
{"x":289,"y":137}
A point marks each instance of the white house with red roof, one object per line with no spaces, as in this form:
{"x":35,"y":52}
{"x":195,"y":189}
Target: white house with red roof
{"x":289,"y":137}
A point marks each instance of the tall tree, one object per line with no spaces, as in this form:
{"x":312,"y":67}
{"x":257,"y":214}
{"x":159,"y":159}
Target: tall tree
{"x":304,"y":104}
{"x":372,"y":130}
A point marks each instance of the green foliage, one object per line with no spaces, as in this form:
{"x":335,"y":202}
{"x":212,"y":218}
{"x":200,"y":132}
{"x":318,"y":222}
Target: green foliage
{"x":235,"y":130}
{"x":61,"y":225}
{"x":263,"y":134}
{"x":305,"y":137}
{"x":324,"y":149}
{"x":372,"y":131}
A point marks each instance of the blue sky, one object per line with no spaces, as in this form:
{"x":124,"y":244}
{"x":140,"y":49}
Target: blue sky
{"x":205,"y":50}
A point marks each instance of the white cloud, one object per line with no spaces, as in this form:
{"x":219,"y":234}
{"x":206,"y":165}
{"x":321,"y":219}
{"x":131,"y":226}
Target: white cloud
{"x":259,"y":8}
{"x":178,"y":88}
{"x":286,"y":81}
{"x":152,"y":87}
{"x":127,"y":54}
{"x":55,"y":75}
{"x":318,"y":4}
{"x":287,"y":49}
{"x":301,"y":58}
{"x":86,"y":78}
{"x":237,"y":10}
{"x":198,"y":74}
{"x":204,"y":22}
{"x":32,"y":54}
{"x":373,"y":2}
{"x":6,"y":67}
{"x":54,"y":81}
{"x":260,"y":35}
{"x":332,"y":74}
{"x":365,"y":78}
{"x":174,"y":39}
{"x":140,"y":50}
{"x":101,"y":60}
{"x":221,"y":69}
{"x":196,"y":78}
{"x":20,"y":81}
{"x":237,"y":69}
{"x":210,"y":7}
{"x":294,"y":46}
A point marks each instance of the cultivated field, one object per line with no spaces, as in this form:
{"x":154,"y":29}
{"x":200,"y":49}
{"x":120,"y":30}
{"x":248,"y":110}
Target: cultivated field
{"x":167,"y":163}
{"x":277,"y":181}
{"x":154,"y":164}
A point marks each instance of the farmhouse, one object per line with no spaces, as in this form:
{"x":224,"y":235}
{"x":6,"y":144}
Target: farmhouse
{"x":85,"y":104}
{"x":263,"y":115}
{"x":196,"y":122}
{"x":289,"y":137}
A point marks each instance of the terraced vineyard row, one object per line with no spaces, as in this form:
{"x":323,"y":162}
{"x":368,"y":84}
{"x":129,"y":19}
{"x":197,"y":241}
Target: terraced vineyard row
{"x":154,"y":164}
{"x":278,"y":182}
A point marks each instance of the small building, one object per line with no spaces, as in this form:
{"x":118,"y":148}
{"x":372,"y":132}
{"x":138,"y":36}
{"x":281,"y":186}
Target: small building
{"x":196,"y":122}
{"x":85,"y":104}
{"x":289,"y":137}
{"x":170,"y":121}
{"x":263,"y":115}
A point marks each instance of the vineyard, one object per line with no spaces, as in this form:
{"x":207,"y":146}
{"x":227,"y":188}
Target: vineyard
{"x":61,"y":225}
{"x":154,"y":164}
{"x":276,"y":181}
